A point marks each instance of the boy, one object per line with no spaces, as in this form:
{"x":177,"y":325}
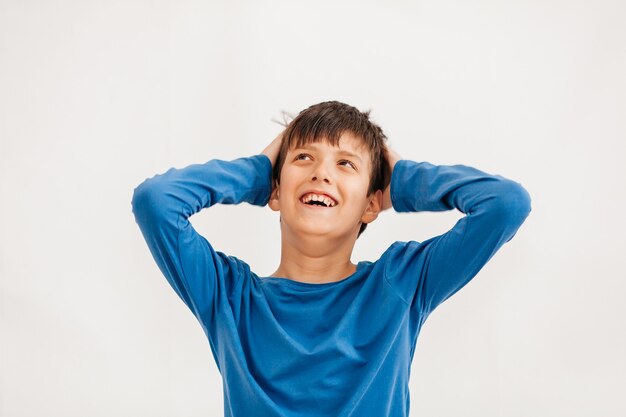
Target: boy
{"x":323,"y":336}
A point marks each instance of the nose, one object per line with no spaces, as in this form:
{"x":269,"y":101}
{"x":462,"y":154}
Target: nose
{"x":320,"y":172}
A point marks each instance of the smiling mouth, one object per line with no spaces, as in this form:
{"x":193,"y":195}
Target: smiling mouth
{"x":318,"y":200}
{"x":316,"y":204}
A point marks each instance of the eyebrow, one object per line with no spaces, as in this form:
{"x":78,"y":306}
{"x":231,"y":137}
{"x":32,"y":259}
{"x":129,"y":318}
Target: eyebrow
{"x":342,"y":152}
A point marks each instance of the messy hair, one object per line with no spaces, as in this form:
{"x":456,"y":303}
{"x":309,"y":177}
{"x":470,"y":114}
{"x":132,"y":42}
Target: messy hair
{"x":328,"y":121}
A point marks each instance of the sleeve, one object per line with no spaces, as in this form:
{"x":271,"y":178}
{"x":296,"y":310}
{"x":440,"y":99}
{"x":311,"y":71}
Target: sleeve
{"x":430,"y":272}
{"x":162,"y":206}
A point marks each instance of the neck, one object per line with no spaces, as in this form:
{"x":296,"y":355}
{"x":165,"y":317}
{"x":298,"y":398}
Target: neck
{"x":315,"y":259}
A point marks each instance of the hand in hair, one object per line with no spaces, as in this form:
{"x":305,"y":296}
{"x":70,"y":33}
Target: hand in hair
{"x":272,"y":150}
{"x":392,"y":158}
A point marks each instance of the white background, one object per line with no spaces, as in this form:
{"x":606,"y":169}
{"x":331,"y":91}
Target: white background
{"x":96,"y":96}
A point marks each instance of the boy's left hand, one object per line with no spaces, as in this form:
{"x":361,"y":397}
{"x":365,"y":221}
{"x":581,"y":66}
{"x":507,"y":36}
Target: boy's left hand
{"x":392,"y":158}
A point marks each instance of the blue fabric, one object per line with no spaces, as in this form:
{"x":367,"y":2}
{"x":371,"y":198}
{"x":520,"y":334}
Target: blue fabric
{"x":293,"y":349}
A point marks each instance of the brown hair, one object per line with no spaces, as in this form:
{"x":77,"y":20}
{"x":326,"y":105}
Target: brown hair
{"x":328,"y":121}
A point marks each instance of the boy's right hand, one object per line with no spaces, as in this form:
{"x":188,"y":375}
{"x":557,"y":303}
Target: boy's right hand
{"x":273,"y":149}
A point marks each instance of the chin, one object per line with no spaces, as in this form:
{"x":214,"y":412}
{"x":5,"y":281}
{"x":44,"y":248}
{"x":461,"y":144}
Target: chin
{"x":311,"y":229}
{"x":316,"y":231}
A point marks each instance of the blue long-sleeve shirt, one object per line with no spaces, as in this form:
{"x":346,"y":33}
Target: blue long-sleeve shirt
{"x":294,"y":349}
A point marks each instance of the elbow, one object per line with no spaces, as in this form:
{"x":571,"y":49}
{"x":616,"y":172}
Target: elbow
{"x":140,"y":197}
{"x":154,"y":197}
{"x":153,"y":188}
{"x":514,"y":202}
{"x":145,"y":197}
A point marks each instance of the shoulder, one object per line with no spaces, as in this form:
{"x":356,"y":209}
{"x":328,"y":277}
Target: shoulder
{"x":402,"y":265}
{"x":231,"y":270}
{"x":399,"y":251}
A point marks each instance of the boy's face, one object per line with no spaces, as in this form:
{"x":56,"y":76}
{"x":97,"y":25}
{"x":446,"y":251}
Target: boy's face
{"x":337,"y":175}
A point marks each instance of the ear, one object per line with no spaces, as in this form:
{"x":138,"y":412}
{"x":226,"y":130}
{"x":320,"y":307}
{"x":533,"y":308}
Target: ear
{"x":373,"y":208}
{"x":273,"y":201}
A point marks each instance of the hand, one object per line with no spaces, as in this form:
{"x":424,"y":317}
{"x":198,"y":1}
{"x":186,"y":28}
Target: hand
{"x":273,"y":149}
{"x":392,"y":158}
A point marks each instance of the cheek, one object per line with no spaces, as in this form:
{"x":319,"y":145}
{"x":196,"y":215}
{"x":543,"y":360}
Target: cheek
{"x":287,"y":183}
{"x":286,"y":176}
{"x":360,"y":186}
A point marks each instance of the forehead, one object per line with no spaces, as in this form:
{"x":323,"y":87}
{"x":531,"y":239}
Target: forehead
{"x":348,"y":143}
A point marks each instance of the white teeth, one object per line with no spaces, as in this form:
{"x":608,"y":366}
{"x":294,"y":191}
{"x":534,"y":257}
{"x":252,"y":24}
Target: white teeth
{"x":315,"y":197}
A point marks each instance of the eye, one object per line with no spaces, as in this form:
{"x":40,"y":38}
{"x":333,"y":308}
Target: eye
{"x":345,"y":161}
{"x":302,"y":155}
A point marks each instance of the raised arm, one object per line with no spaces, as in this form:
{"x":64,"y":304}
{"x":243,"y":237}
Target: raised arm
{"x":429,"y":272}
{"x":162,"y":206}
